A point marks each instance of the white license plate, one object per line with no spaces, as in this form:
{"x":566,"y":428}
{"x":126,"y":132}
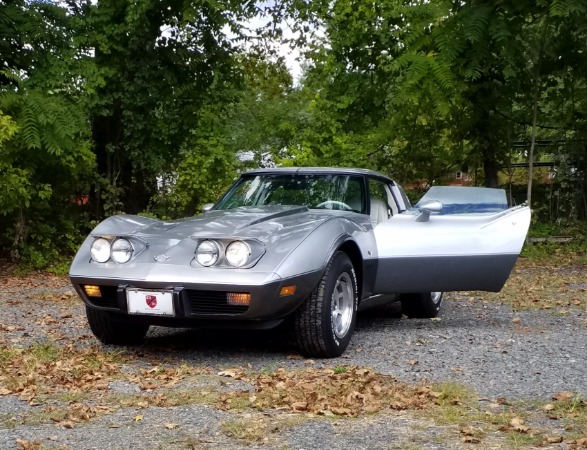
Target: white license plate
{"x":158,"y":303}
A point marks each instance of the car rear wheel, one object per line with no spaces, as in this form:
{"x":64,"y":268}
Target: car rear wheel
{"x":325,"y":323}
{"x":111,"y":331}
{"x":424,"y":305}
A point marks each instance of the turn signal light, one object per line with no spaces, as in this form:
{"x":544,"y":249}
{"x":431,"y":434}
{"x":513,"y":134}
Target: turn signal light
{"x":238,"y":298}
{"x":287,"y":291}
{"x":92,"y":291}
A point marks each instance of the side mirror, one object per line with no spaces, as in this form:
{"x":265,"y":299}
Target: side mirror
{"x":207,"y":207}
{"x":432,"y":206}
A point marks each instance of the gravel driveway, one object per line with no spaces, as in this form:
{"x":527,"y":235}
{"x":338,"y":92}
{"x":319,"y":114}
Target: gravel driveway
{"x":481,"y":345}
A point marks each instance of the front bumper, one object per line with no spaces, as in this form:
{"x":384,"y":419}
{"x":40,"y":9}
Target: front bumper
{"x":202,"y":304}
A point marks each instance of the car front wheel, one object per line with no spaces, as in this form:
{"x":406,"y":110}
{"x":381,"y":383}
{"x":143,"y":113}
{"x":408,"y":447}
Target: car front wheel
{"x":325,"y":323}
{"x":111,"y":331}
{"x":424,"y":305}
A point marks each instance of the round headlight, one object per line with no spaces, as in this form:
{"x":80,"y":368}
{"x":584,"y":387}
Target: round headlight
{"x":100,"y":250}
{"x":207,"y":253}
{"x":238,"y":253}
{"x":121,"y":250}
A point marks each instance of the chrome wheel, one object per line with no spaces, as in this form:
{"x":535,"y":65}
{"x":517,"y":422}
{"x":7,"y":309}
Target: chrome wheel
{"x":342,"y":305}
{"x":324,"y":324}
{"x":436,"y":297}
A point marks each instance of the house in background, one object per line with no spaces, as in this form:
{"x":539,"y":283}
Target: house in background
{"x":458,"y":178}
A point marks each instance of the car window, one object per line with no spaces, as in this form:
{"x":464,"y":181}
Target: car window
{"x":381,"y":202}
{"x":380,"y":191}
{"x":466,"y":200}
{"x":341,"y":192}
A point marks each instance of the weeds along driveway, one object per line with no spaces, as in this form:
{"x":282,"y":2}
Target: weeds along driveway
{"x":503,"y":369}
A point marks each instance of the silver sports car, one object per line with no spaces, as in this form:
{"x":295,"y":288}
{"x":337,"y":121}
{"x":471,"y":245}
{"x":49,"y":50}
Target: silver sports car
{"x":309,"y":245}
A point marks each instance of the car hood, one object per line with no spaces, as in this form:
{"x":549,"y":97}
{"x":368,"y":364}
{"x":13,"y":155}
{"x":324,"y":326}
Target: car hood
{"x":262,"y":223}
{"x":165,"y":250}
{"x":279,"y":228}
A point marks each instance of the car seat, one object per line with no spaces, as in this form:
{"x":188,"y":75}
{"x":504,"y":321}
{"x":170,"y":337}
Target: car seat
{"x":379,"y":211}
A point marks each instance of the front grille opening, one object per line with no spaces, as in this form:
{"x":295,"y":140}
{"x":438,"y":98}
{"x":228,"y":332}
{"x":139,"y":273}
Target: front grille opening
{"x":212,"y":302}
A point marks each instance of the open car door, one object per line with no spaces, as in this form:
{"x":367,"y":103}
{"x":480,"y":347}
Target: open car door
{"x":456,"y":239}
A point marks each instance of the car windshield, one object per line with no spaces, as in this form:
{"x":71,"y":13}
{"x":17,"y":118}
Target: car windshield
{"x":328,"y":191}
{"x":463,"y":200}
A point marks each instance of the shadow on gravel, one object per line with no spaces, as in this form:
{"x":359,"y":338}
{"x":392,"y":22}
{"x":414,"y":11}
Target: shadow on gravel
{"x":226,"y":342}
{"x":277,"y":342}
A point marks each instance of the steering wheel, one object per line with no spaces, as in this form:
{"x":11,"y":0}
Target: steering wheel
{"x":328,"y":204}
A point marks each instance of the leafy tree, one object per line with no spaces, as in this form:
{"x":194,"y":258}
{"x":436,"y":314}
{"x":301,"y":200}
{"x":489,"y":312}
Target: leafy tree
{"x":415,"y":87}
{"x":45,"y":154}
{"x":159,"y":65}
{"x":261,"y":121}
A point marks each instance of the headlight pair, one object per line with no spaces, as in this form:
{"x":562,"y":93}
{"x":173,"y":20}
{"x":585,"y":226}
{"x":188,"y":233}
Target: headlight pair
{"x":237,"y":253}
{"x":120,"y":250}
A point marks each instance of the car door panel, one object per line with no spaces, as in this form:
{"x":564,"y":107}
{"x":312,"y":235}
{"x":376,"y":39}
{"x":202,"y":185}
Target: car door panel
{"x":450,"y":252}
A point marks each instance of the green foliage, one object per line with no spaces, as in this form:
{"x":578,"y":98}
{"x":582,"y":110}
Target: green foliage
{"x":153,"y":106}
{"x":158,"y":66}
{"x":45,"y":154}
{"x":546,"y":247}
{"x":201,"y":177}
{"x":415,"y":88}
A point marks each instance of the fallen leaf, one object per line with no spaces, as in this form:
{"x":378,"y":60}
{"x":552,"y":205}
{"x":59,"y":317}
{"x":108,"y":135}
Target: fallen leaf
{"x":230,"y":373}
{"x":562,"y":396}
{"x":137,"y":418}
{"x":517,"y":424}
{"x":299,"y":406}
{"x":469,"y":431}
{"x":28,"y":445}
{"x":553,"y":439}
{"x":171,"y":426}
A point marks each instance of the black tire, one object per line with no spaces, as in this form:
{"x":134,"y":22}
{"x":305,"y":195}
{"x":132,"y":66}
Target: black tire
{"x":321,"y":330}
{"x":116,"y":332}
{"x":424,"y":305}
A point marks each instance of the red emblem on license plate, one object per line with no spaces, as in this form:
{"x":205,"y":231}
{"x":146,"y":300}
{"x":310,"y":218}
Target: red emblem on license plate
{"x":151,"y":301}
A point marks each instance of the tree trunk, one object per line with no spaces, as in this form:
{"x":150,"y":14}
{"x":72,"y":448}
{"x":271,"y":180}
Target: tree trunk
{"x":491,"y":170}
{"x":532,"y":141}
{"x":532,"y":145}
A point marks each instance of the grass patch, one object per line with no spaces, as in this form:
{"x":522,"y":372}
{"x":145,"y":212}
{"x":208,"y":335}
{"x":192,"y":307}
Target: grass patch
{"x":454,"y":404}
{"x":46,"y":369}
{"x":569,"y":251}
{"x":520,"y":424}
{"x":571,"y":410}
{"x":66,"y":415}
{"x":247,"y":429}
{"x":254,"y":428}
